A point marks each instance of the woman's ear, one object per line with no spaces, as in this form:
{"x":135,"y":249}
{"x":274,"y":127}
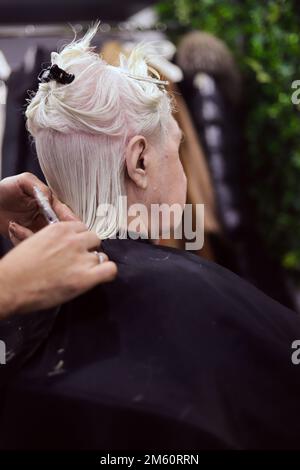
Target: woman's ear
{"x":135,"y":157}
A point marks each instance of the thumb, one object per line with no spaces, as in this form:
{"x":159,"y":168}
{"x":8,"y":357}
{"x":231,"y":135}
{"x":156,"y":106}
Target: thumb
{"x":104,"y":272}
{"x":62,"y":211}
{"x":18,"y":233}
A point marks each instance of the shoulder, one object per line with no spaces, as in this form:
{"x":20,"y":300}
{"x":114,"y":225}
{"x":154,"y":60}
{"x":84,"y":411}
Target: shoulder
{"x":143,"y":259}
{"x":165,"y":272}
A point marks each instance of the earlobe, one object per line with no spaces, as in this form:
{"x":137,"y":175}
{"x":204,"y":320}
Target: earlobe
{"x":135,"y":161}
{"x":141,"y":179}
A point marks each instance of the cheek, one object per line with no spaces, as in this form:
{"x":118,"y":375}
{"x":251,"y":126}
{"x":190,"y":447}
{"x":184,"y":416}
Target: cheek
{"x":179,"y":172}
{"x":171,"y":177}
{"x":182,"y":185}
{"x":184,"y":181}
{"x":177,"y":181}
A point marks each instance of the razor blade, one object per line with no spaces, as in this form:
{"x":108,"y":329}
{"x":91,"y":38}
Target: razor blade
{"x":45,"y":206}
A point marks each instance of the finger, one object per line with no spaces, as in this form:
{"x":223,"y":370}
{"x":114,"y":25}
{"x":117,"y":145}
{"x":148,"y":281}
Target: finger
{"x":104,"y":272}
{"x":90,"y":240}
{"x":27,"y":181}
{"x":76,"y":227}
{"x":13,"y":239}
{"x":101,"y":257}
{"x":62,"y":211}
{"x":38,"y":222}
{"x":96,"y":257}
{"x":18,"y":233}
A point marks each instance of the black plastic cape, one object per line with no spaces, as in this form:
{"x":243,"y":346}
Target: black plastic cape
{"x":176,"y":353}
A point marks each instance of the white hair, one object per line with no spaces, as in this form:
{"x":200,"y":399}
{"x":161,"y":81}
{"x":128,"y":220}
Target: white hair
{"x":81,"y":128}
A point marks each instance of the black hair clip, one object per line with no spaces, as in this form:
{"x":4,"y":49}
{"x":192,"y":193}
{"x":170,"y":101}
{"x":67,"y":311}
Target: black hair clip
{"x":55,"y":73}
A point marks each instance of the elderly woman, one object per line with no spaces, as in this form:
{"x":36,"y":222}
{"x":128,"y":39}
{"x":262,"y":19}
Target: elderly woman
{"x":177,"y":352}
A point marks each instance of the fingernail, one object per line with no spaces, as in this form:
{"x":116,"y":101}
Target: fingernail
{"x":101,"y":258}
{"x":14,"y":235}
{"x":12,"y":228}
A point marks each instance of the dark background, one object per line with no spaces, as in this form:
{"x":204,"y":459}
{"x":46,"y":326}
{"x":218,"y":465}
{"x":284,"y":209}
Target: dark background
{"x":45,"y":11}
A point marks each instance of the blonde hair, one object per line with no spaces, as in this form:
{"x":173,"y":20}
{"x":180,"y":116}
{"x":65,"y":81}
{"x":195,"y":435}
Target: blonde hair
{"x":81,"y":128}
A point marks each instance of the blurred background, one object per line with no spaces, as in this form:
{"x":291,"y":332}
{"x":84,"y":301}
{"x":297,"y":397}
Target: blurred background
{"x":233,"y":67}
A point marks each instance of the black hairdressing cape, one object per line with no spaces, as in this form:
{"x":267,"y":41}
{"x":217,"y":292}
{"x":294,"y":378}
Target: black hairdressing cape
{"x":176,"y":353}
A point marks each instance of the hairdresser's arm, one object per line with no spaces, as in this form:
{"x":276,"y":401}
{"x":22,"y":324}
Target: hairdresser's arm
{"x":51,"y":267}
{"x":18,"y":204}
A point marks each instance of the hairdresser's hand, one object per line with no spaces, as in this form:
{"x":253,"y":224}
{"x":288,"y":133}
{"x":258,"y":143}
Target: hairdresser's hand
{"x":17,"y":203}
{"x":51,"y":267}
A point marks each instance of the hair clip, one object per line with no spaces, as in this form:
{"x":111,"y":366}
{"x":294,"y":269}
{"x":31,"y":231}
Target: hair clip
{"x":146,"y":79}
{"x":55,"y":73}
